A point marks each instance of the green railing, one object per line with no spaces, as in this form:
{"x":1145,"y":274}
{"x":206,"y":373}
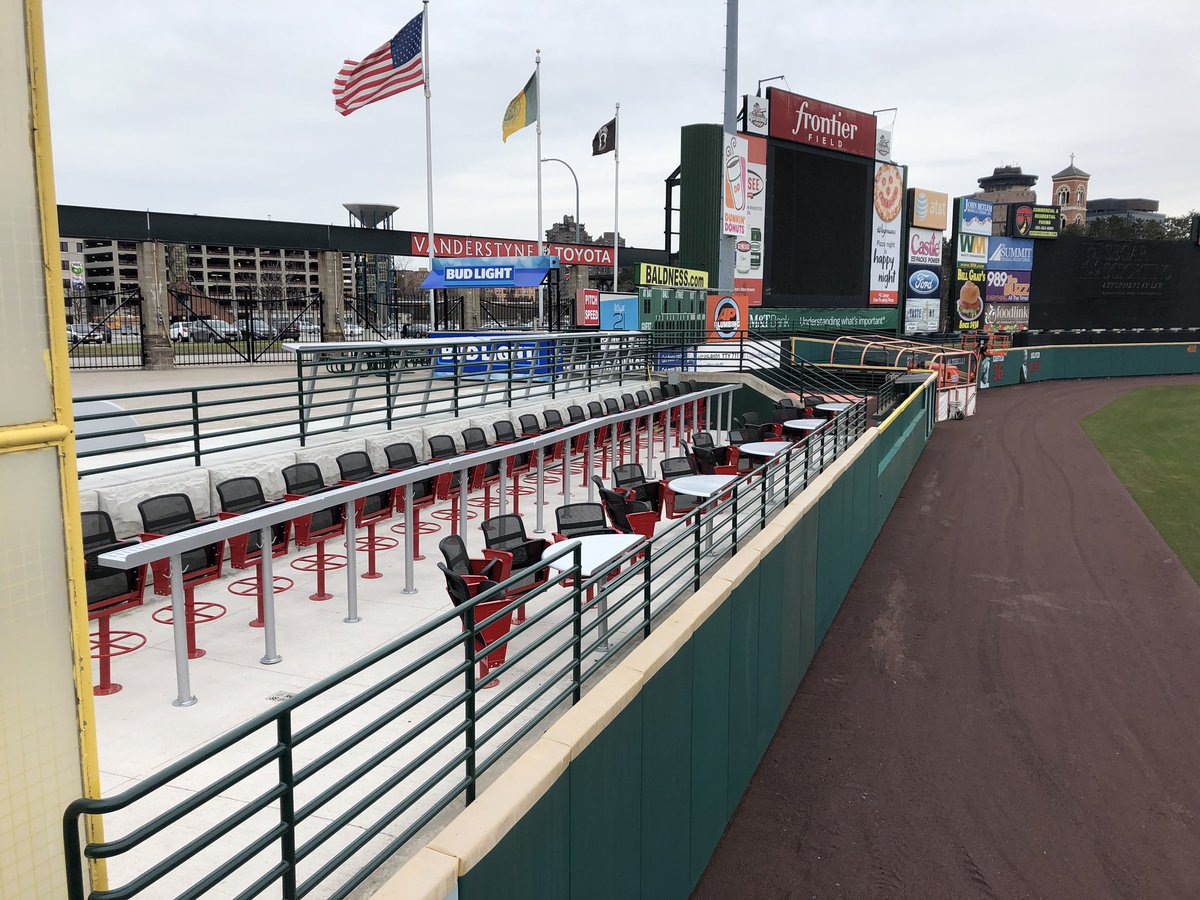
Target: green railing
{"x":348,"y":385}
{"x":320,"y":791}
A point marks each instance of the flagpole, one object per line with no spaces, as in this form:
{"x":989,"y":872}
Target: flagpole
{"x":428,"y":159}
{"x":537,"y":74}
{"x":616,"y":191}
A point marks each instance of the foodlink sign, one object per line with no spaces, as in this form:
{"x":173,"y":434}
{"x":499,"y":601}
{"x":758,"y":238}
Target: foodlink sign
{"x":653,"y":275}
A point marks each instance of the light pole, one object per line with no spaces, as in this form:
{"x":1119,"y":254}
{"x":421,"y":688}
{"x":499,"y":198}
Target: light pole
{"x":763,"y":81}
{"x":572,"y":171}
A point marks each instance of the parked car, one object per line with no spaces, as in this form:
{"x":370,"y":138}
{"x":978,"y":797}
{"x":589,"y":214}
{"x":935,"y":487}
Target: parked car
{"x":256,"y":329}
{"x":88,"y":334}
{"x":180,"y":331}
{"x":353,"y":332}
{"x":213,"y":330}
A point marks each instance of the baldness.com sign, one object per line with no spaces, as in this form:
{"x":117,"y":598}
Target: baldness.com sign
{"x":652,"y":275}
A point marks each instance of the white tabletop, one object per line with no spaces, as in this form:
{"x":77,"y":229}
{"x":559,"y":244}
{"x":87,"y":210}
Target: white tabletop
{"x":805,"y":424}
{"x":764,"y":448}
{"x":833,"y":407}
{"x":596,"y":551}
{"x":701,"y":485}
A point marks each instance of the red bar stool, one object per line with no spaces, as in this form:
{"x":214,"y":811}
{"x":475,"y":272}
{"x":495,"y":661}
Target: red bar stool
{"x":514,"y":466}
{"x":602,"y":436}
{"x":612,"y":408}
{"x":109,"y":591}
{"x":242,"y":495}
{"x":449,"y":485}
{"x":355,"y":467}
{"x":172,"y":514}
{"x":482,"y":477}
{"x":314,"y":529}
{"x":401,"y":456}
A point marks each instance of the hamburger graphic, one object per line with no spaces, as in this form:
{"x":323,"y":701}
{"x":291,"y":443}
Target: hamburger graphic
{"x":970,"y":304}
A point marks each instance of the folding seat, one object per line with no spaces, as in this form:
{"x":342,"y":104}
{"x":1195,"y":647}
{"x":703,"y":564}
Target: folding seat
{"x":314,"y":529}
{"x":109,"y":591}
{"x":581,"y":519}
{"x":242,"y":495}
{"x":631,"y":480}
{"x":172,"y":514}
{"x":675,"y":505}
{"x":461,"y":595}
{"x":506,"y":534}
{"x":627,"y":516}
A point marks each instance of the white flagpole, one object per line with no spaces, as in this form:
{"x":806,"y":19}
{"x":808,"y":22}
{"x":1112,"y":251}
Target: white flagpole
{"x":537,"y":75}
{"x":428,"y":156}
{"x":616,"y":190}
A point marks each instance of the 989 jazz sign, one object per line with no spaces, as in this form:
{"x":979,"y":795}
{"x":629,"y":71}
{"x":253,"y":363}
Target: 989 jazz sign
{"x":1007,"y":286}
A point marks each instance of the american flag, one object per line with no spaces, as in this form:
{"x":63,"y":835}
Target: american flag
{"x":395,"y":67}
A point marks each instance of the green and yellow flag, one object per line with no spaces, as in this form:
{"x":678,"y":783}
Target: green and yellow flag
{"x":522,"y":109}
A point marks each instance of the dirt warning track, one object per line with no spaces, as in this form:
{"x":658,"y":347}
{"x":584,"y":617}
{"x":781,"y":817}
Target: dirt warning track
{"x":1008,"y":704}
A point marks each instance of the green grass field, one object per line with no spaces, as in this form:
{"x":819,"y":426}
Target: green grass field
{"x":1151,"y":439}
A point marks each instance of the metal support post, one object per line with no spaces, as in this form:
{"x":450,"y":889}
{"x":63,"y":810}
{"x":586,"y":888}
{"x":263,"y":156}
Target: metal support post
{"x":540,"y":498}
{"x":409,"y":588}
{"x":183,"y":681}
{"x":267,"y":581}
{"x":351,"y":566}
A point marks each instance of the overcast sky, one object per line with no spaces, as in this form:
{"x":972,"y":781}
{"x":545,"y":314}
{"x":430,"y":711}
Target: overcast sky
{"x":224,"y":108}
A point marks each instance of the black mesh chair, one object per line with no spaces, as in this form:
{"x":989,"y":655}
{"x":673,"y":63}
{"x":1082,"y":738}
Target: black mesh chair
{"x":749,"y":430}
{"x":670,"y":390}
{"x":355,"y":467}
{"x":576,"y":414}
{"x":628,"y":402}
{"x":492,"y":567}
{"x":530,"y":426}
{"x":643,"y":398}
{"x":613,"y":408}
{"x":595,"y":409}
{"x":553,"y":419}
{"x":656,"y":395}
{"x":239,"y":496}
{"x":109,"y":591}
{"x":172,"y":514}
{"x":631,"y":479}
{"x":400,"y":457}
{"x":461,"y":594}
{"x":786,"y":403}
{"x":482,"y":477}
{"x":677,"y":505}
{"x":742,"y":436}
{"x":627,"y":516}
{"x":506,"y":534}
{"x":709,"y":464}
{"x":314,"y":529}
{"x":703,"y":439}
{"x":581,"y":519}
{"x":517,"y":465}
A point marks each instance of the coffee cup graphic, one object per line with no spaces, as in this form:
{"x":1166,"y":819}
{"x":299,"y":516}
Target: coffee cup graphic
{"x":735,"y":182}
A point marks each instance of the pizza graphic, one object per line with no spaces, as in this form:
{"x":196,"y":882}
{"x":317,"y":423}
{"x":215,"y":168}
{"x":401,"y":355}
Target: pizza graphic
{"x":889,"y":192}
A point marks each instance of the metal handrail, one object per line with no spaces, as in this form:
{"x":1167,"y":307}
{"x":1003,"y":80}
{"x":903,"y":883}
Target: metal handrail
{"x":175,"y":544}
{"x":671,"y":564}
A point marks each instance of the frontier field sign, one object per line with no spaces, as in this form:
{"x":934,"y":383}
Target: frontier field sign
{"x":652,"y":275}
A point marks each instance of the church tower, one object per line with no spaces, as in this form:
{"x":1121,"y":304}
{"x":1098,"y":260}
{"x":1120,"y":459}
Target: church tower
{"x":1070,"y":193}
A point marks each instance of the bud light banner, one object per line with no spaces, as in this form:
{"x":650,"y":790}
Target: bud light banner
{"x":925,"y":281}
{"x":1005,"y":286}
{"x":924,"y":247}
{"x":1012,"y":254}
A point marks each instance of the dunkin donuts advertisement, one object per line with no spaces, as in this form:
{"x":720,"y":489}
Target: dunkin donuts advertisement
{"x":969,"y":285}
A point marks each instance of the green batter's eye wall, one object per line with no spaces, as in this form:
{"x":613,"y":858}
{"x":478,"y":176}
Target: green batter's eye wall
{"x":628,"y":793}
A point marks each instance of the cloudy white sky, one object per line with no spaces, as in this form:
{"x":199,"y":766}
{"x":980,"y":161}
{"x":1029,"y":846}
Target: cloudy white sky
{"x":224,"y":108}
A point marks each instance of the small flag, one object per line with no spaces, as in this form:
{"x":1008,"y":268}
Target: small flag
{"x":605,"y":140}
{"x":395,"y":67}
{"x":522,"y":109}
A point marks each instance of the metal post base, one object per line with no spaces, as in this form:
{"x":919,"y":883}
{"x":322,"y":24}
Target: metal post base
{"x":357,"y":619}
{"x":190,"y":701}
{"x":271,"y":660}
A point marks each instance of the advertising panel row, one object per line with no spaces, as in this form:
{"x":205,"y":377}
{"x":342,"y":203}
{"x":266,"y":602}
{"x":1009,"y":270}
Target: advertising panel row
{"x":928,"y":213}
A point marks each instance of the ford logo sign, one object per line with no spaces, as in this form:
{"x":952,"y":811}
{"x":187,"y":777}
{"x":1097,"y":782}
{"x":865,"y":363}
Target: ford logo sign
{"x":924,"y":282}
